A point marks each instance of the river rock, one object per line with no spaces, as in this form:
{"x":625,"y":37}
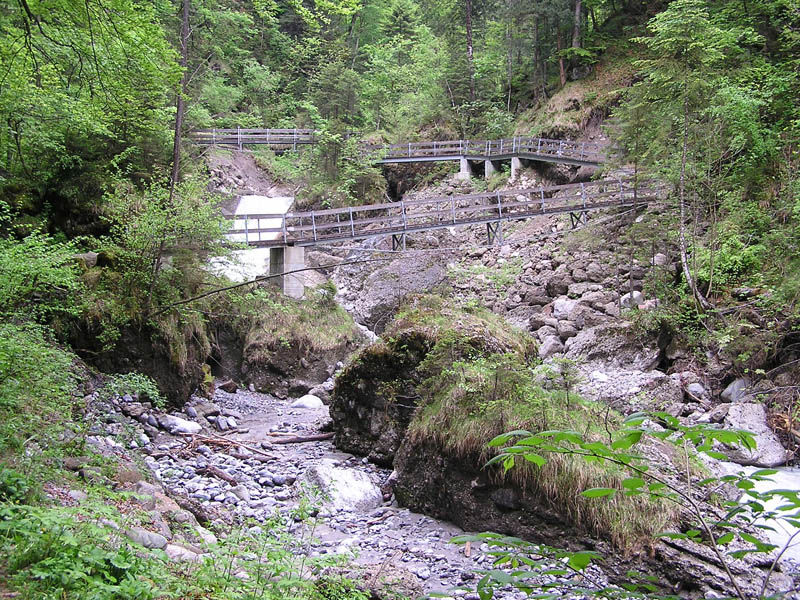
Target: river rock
{"x":308,"y":401}
{"x":736,"y":391}
{"x":347,"y":489}
{"x":752,"y":417}
{"x":148,"y":539}
{"x":177,"y":425}
{"x":228,"y":386}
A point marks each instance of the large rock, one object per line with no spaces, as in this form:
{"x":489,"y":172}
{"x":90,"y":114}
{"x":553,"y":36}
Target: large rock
{"x":563,"y":307}
{"x":175,"y":425}
{"x":346,"y":489}
{"x":550,"y":346}
{"x":613,"y":344}
{"x":752,"y":417}
{"x":632,"y":299}
{"x":308,"y":401}
{"x":386,"y":288}
{"x":737,"y":391}
{"x":148,"y":539}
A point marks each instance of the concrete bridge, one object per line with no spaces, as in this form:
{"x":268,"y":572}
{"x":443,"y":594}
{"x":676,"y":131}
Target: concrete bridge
{"x":518,"y":150}
{"x":288,"y":234}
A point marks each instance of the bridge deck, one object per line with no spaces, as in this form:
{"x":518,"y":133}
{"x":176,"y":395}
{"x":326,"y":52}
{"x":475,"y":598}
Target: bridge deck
{"x":579,"y":153}
{"x":412,"y":216}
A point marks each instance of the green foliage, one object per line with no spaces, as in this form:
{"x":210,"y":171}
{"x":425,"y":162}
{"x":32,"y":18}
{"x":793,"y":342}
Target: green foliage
{"x":14,"y":486}
{"x":37,"y":380}
{"x":38,"y":278}
{"x":729,"y":535}
{"x":135,"y":384}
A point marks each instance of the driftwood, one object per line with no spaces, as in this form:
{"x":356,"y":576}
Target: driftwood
{"x":218,"y":473}
{"x":302,"y":439}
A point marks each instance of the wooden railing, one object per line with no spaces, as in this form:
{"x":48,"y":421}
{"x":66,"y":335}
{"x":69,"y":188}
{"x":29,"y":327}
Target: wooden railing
{"x":520,"y":146}
{"x":411,"y":216}
{"x":241,"y":137}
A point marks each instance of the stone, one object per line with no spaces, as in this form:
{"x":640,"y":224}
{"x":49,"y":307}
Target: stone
{"x":77,"y":495}
{"x":632,"y":299}
{"x":221,"y":423}
{"x":175,"y":425}
{"x":660,"y":260}
{"x":562,"y":307}
{"x":566,"y":330}
{"x":752,"y":417}
{"x":205,"y":535}
{"x":232,"y":422}
{"x":241,"y":492}
{"x":697,"y":390}
{"x":148,"y":539}
{"x":346,"y":489}
{"x":736,"y":391}
{"x":228,"y":386}
{"x":178,"y":553}
{"x":191,"y":412}
{"x":550,"y":346}
{"x":598,"y":376}
{"x":207,"y":409}
{"x":308,"y":401}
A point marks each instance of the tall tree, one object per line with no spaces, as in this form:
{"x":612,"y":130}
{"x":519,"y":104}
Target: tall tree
{"x":470,"y":58}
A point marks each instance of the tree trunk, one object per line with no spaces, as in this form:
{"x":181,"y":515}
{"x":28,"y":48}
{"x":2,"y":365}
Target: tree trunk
{"x":576,"y":27}
{"x":562,"y":72}
{"x":687,"y":272}
{"x":470,"y":62}
{"x":176,"y":148}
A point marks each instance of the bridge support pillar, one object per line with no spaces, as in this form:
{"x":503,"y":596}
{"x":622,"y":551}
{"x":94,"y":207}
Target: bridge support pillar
{"x":495,"y":233}
{"x":465,"y":170}
{"x":489,"y":168}
{"x":283,"y":260}
{"x":516,"y":166}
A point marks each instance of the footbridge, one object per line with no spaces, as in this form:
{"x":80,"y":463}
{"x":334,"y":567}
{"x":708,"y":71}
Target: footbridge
{"x":516,"y":149}
{"x":290,"y":233}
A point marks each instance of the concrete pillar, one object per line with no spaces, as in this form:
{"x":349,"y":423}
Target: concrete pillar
{"x":516,"y":165}
{"x":465,"y":171}
{"x":488,"y":168}
{"x":276,"y":266}
{"x":294,"y":258}
{"x":282,"y":260}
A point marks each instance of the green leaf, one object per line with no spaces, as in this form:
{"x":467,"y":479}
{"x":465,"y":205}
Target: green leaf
{"x":633,"y":483}
{"x":726,"y":538}
{"x":598,"y":492}
{"x":627,"y":441}
{"x":535,"y":458}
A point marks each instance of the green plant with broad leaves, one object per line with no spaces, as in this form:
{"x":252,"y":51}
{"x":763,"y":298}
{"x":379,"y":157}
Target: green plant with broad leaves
{"x":730,"y":533}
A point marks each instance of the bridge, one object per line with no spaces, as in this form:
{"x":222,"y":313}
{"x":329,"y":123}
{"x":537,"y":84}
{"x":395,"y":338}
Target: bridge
{"x":466,"y":152}
{"x":288,"y":234}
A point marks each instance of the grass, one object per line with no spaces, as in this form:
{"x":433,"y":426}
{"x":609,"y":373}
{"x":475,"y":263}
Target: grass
{"x":476,"y":386}
{"x":275,"y":322}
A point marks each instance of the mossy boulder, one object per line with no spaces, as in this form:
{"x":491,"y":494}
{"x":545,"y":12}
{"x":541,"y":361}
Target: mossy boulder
{"x":378,"y":393}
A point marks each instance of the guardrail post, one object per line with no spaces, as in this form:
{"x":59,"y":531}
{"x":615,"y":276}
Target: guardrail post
{"x":560,"y":146}
{"x":539,"y":146}
{"x":246,"y":227}
{"x":403,"y":210}
{"x":214,"y":137}
{"x":283,"y":226}
{"x":542,"y":193}
{"x":268,"y":132}
{"x":583,"y":196}
{"x":239,"y":137}
{"x":352,"y":225}
{"x":294,"y":140}
{"x":313,"y":226}
{"x":409,"y":149}
{"x":583,"y":145}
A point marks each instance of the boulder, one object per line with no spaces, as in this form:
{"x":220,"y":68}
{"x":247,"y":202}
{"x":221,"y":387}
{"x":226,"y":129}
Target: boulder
{"x":737,"y":391}
{"x":178,"y":553}
{"x":566,"y":330}
{"x":632,"y":299}
{"x":176,"y":425}
{"x":550,"y":346}
{"x":148,"y":539}
{"x":563,"y":307}
{"x":308,"y":401}
{"x":228,"y":386}
{"x":346,"y":489}
{"x":752,"y":417}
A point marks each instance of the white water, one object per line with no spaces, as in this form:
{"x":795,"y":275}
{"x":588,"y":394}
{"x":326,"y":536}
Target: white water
{"x":248,"y":264}
{"x":787,"y":478}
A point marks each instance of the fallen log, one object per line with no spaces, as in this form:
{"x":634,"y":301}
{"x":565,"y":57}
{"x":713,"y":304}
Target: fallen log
{"x":218,"y":473}
{"x":302,"y":439}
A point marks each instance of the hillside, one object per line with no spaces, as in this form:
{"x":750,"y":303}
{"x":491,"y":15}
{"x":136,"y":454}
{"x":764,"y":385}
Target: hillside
{"x":578,"y":380}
